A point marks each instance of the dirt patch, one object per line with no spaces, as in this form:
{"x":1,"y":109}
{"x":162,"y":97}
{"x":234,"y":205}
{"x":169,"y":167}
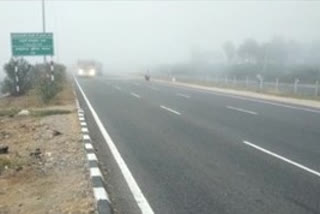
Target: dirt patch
{"x":45,"y":169}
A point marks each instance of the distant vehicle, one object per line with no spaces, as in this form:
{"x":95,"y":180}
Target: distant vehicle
{"x":147,"y":77}
{"x":88,"y":68}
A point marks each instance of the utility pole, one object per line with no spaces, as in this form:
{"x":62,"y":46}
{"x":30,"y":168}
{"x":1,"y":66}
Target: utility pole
{"x":44,"y":24}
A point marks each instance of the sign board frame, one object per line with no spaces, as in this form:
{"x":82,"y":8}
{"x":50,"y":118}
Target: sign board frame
{"x":32,"y":44}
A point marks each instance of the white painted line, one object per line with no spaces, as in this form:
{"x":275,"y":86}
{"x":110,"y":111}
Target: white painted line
{"x":95,"y":171}
{"x":283,"y":158}
{"x":80,"y":115}
{"x":81,"y":118}
{"x":92,"y":157}
{"x":86,"y":137}
{"x":80,"y":111}
{"x":88,"y":146}
{"x":141,"y":201}
{"x":117,"y":87}
{"x":183,"y":95}
{"x":241,"y":110}
{"x":170,"y":110}
{"x":100,"y":194}
{"x":83,"y":124}
{"x":242,"y":97}
{"x":153,"y":88}
{"x":135,"y":95}
{"x":84,"y":130}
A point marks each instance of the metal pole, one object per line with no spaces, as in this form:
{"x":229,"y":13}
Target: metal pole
{"x":44,"y":24}
{"x":296,"y":81}
{"x":16,"y":79}
{"x":247,"y":82}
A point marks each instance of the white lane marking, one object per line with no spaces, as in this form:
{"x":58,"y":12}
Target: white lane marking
{"x":118,"y":88}
{"x":241,"y":110}
{"x":95,"y":171}
{"x":80,"y":111}
{"x":141,"y":201}
{"x":86,"y":137}
{"x":88,"y":146}
{"x":92,"y":157}
{"x":153,"y":88}
{"x":282,"y":158}
{"x":83,"y":124}
{"x":183,"y":95}
{"x":100,"y":194}
{"x":242,"y":97}
{"x":135,"y":95}
{"x":85,"y":130}
{"x":80,"y":115}
{"x":170,"y":110}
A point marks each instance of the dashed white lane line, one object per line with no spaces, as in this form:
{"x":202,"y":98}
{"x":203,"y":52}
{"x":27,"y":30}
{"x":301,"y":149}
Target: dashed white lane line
{"x":283,"y":158}
{"x":135,"y":95}
{"x":141,"y":201}
{"x":86,"y":137}
{"x":95,"y":172}
{"x":170,"y":110}
{"x":241,"y":110}
{"x":84,"y":130}
{"x":183,"y":95}
{"x":100,"y":194}
{"x":88,"y":146}
{"x":92,"y":157}
{"x":118,"y":88}
{"x":83,"y":124}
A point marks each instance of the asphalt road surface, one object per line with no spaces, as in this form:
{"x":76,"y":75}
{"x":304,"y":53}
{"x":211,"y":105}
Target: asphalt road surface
{"x":193,"y":151}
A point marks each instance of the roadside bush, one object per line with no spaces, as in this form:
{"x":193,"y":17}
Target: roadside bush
{"x":24,"y":71}
{"x":47,"y":88}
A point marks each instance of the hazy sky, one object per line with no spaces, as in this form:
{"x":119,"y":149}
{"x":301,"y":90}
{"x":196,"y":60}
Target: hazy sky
{"x":130,"y":33}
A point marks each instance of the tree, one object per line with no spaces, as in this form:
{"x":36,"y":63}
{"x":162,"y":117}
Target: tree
{"x":249,"y":51}
{"x":23,"y":76}
{"x":229,"y":50}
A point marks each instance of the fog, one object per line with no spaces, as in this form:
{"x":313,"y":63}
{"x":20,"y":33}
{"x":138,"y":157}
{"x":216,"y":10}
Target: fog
{"x":133,"y":35}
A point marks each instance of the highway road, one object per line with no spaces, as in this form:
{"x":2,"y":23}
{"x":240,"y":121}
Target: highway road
{"x":193,"y":151}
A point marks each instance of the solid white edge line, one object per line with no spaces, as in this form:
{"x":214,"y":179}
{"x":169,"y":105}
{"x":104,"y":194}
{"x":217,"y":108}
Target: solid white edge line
{"x":135,"y":95}
{"x":170,"y":110}
{"x":92,"y":157}
{"x":133,"y":186}
{"x":241,"y":110}
{"x":183,"y":95}
{"x":88,"y":146}
{"x":282,"y":158}
{"x":100,"y":194}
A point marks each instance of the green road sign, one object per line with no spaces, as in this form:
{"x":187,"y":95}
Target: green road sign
{"x":32,"y":44}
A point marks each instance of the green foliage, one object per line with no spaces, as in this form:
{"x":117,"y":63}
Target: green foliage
{"x":23,"y":74}
{"x":47,"y":88}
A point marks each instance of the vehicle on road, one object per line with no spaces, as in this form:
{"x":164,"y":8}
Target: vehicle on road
{"x":88,"y":68}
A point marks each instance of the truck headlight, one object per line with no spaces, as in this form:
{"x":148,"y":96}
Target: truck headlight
{"x":92,"y":72}
{"x":80,"y":72}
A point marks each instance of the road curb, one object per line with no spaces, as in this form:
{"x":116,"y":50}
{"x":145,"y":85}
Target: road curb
{"x":101,"y":196}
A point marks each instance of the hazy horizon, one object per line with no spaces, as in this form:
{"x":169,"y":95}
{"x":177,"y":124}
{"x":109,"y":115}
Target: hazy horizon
{"x":126,"y":35}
